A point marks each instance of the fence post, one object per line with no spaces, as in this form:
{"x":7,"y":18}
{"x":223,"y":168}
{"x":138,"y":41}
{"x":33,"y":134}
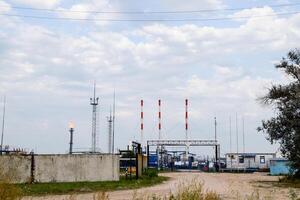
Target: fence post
{"x":32,"y":168}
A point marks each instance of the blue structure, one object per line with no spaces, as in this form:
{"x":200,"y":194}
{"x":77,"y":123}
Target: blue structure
{"x":279,"y":166}
{"x":152,"y":160}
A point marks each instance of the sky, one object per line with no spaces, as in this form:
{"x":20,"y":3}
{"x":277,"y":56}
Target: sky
{"x":48,"y":67}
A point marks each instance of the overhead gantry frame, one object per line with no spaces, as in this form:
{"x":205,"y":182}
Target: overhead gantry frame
{"x":185,"y":143}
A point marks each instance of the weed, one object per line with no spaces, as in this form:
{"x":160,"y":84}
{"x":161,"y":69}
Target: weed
{"x":100,"y":196}
{"x":293,"y":195}
{"x":8,"y":191}
{"x":191,"y":191}
{"x":150,"y":172}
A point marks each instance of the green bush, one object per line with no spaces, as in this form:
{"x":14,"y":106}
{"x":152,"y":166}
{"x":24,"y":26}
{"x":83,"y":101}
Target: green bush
{"x":150,"y":173}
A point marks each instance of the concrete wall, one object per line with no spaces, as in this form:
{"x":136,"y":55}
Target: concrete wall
{"x":145,"y":162}
{"x":15,"y":168}
{"x":65,"y":168}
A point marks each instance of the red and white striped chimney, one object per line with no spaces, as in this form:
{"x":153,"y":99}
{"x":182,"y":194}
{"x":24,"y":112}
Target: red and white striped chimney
{"x":159,"y":119}
{"x":186,"y":118}
{"x":142,"y":122}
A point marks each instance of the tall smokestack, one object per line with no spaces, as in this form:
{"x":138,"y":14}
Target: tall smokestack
{"x":159,"y":119}
{"x":142,"y":122}
{"x":186,"y":119}
{"x":186,"y":126}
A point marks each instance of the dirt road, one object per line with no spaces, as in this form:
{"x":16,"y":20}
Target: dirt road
{"x":229,"y":186}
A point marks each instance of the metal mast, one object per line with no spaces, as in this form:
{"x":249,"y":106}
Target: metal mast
{"x":237,"y":137}
{"x":215,"y":123}
{"x":237,"y":133}
{"x":110,"y":121}
{"x":113,"y":123}
{"x":216,"y":128}
{"x":243,"y":135}
{"x":94,"y":103}
{"x":3,"y":121}
{"x":230,"y":136}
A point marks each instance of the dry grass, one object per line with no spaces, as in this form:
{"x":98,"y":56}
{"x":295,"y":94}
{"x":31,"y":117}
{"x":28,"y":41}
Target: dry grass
{"x":185,"y":191}
{"x":96,"y":196}
{"x":191,"y":191}
{"x":8,"y":191}
{"x":100,"y":196}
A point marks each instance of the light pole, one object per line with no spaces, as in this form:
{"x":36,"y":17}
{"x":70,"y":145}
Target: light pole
{"x":71,"y":126}
{"x":2,"y":132}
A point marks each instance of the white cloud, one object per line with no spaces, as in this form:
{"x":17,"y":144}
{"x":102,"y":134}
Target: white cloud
{"x":49,"y":73}
{"x":255,"y":34}
{"x":254,"y":12}
{"x":88,"y":10}
{"x":38,"y":3}
{"x":4,"y":7}
{"x":237,"y":88}
{"x":194,"y":4}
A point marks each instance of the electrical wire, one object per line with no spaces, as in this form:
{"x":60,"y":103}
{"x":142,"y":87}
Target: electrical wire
{"x":149,"y":20}
{"x":149,"y":12}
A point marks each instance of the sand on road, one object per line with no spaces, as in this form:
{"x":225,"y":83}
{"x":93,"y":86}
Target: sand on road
{"x":229,"y":186}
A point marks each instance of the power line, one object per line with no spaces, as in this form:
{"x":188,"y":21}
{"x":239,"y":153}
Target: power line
{"x":149,"y":12}
{"x":149,"y":20}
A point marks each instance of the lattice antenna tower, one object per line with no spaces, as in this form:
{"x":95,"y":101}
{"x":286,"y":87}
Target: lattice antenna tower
{"x":94,"y":102}
{"x":110,"y":131}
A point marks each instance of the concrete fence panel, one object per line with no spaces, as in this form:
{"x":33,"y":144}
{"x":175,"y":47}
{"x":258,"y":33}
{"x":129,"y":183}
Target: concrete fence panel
{"x":62,"y":167}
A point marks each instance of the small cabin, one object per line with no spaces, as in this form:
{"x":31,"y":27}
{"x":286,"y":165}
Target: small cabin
{"x":249,"y":160}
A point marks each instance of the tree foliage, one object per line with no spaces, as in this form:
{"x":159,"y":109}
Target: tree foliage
{"x":284,"y":128}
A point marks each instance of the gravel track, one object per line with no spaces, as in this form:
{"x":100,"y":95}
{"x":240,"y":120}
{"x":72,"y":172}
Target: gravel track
{"x":229,"y":186}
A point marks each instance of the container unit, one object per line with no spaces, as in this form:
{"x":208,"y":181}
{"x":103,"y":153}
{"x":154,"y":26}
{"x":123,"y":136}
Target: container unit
{"x":259,"y":161}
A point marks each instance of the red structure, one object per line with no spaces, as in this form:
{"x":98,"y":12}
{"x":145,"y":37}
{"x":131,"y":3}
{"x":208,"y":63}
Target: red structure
{"x":159,"y":119}
{"x":186,"y":118}
{"x":142,"y":122}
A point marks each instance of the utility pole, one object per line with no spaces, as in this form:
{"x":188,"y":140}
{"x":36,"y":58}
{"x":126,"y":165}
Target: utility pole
{"x":230,"y":142}
{"x":243,"y":135}
{"x":237,"y":138}
{"x":216,"y":150}
{"x":230,"y":136}
{"x":113,"y":123}
{"x":237,"y":133}
{"x":113,"y":133}
{"x":3,"y":122}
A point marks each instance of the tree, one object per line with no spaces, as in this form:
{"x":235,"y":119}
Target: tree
{"x":284,"y":128}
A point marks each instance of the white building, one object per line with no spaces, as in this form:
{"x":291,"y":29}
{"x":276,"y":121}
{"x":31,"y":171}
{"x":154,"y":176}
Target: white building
{"x":249,"y":160}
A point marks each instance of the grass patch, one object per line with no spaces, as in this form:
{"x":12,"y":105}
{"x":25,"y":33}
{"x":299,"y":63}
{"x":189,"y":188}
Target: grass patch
{"x":282,"y":182}
{"x":84,"y":187}
{"x":289,"y":182}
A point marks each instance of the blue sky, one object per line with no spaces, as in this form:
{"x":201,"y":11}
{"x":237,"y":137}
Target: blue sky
{"x":222,"y":66}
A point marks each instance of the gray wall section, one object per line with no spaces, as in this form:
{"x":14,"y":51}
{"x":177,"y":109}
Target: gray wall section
{"x":66,"y":168}
{"x":15,"y":168}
